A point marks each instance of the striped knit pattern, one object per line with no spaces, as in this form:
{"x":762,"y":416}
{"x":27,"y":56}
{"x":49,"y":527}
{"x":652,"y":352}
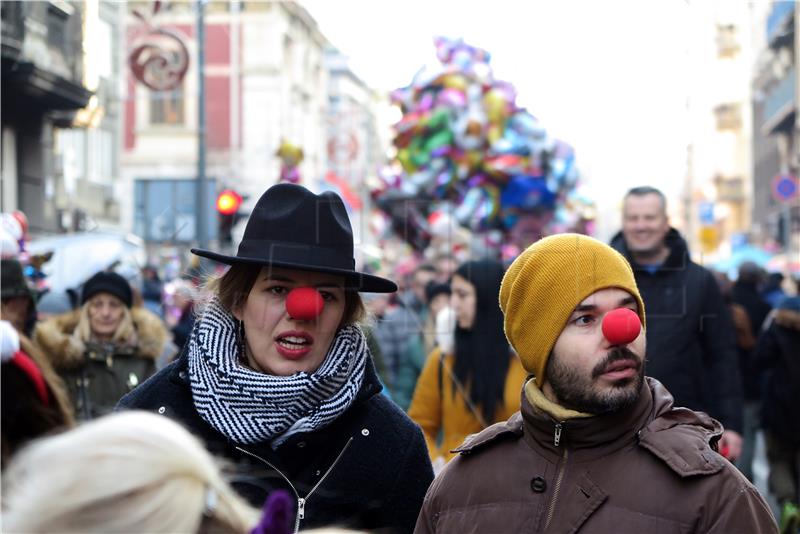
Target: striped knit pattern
{"x":252,"y":407}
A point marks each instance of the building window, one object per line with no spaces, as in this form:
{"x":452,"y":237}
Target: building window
{"x":166,"y":107}
{"x":164,"y":210}
{"x":727,"y":41}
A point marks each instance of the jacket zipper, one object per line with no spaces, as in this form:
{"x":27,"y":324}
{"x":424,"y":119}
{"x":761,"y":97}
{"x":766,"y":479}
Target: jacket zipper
{"x":557,"y":435}
{"x":301,"y":501}
{"x":564,"y":456}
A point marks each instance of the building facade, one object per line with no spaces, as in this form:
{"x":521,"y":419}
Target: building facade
{"x":43,"y":87}
{"x":355,"y":146}
{"x":776,"y":145}
{"x":718,"y":189}
{"x":266,"y":82}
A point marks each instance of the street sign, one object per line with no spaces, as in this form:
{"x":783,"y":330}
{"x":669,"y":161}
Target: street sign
{"x":785,"y":188}
{"x":709,"y":238}
{"x":706,"y":212}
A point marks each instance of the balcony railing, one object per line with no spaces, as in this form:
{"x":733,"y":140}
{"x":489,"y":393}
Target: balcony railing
{"x":12,"y":18}
{"x":780,"y":100}
{"x":779,"y":16}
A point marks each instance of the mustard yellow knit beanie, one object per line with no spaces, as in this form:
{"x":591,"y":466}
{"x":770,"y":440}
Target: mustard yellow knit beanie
{"x":545,"y":284}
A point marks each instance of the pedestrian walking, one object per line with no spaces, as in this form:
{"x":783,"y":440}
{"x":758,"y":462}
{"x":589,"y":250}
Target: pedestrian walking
{"x":105,"y":348}
{"x":778,"y":354}
{"x":277,"y":378}
{"x":597,"y":446}
{"x":415,"y":353}
{"x":477,"y":384}
{"x":690,"y":333}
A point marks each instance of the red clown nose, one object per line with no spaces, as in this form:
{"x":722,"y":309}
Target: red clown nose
{"x":304,"y":303}
{"x":621,"y":326}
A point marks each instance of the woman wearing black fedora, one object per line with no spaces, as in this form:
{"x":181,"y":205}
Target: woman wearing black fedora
{"x":276,"y":375}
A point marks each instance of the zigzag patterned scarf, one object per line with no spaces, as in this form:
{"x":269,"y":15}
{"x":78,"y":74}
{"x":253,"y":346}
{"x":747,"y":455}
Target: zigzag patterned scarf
{"x":252,"y":407}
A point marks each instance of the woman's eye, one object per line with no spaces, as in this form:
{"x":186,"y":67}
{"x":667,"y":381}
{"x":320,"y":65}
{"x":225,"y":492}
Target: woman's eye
{"x":327,"y":296}
{"x":277,"y":290}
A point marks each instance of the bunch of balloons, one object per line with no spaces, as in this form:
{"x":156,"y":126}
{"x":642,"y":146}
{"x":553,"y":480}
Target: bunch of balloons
{"x":465,"y":148}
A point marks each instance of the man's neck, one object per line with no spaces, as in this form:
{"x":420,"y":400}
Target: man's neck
{"x":656,"y":257}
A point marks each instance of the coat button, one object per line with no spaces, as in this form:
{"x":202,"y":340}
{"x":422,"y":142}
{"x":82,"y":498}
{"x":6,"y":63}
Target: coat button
{"x":301,"y":444}
{"x":538,"y":484}
{"x":365,"y":432}
{"x":182,"y":375}
{"x":161,"y":410}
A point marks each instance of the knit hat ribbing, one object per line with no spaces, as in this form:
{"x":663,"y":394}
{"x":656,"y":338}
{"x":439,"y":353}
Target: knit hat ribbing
{"x":544,"y":285}
{"x":108,"y":282}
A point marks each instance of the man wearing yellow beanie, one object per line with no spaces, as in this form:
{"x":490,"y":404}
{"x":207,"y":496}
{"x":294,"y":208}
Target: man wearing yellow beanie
{"x":596,"y":446}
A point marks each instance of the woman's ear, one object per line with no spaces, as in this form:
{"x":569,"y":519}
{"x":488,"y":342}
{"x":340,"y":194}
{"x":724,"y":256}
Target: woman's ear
{"x":237,"y":312}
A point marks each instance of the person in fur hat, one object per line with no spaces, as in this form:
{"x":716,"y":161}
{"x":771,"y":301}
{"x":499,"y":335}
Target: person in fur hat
{"x":105,"y":348}
{"x":597,"y":446}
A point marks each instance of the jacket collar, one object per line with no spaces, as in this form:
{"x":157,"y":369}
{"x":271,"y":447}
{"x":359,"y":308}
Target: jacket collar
{"x":678,"y":257}
{"x":683,"y":439}
{"x":587,"y":436}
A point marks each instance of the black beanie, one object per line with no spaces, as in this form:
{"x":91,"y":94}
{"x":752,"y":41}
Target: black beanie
{"x":108,"y":282}
{"x":434,"y":289}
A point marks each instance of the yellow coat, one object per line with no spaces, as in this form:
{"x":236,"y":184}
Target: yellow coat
{"x":449,"y":413}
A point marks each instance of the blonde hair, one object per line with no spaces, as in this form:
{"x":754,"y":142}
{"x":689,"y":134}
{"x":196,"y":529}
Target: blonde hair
{"x":125,"y":332}
{"x":127,"y":472}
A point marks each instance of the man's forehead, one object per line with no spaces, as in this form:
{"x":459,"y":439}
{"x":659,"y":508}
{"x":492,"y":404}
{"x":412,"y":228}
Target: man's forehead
{"x":646,"y":202}
{"x":612,"y":295}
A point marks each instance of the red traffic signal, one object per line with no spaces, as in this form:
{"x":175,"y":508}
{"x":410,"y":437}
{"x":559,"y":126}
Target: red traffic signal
{"x":228,"y":202}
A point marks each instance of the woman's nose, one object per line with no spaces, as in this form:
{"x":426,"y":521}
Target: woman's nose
{"x":304,"y":303}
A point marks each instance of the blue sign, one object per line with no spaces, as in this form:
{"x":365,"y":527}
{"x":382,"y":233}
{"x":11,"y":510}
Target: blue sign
{"x":785,"y":188}
{"x":706,"y":213}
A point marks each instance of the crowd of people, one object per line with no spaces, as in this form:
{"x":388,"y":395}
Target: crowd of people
{"x":294,"y":390}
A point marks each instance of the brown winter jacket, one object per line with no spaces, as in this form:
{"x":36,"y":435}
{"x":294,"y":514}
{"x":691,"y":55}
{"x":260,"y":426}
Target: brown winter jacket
{"x":648,"y":468}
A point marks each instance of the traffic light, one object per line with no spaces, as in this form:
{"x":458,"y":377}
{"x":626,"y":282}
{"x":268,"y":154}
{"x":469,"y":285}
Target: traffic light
{"x":228,"y":202}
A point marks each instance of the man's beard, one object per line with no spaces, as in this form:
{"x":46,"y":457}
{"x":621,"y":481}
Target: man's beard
{"x":578,"y":392}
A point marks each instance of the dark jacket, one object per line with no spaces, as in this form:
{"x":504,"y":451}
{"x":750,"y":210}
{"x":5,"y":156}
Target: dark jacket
{"x":778,"y":353}
{"x":691,"y":342}
{"x":396,"y":329}
{"x":98,"y":375}
{"x":24,"y":416}
{"x":378,"y":462}
{"x":746,"y":295}
{"x":648,"y":468}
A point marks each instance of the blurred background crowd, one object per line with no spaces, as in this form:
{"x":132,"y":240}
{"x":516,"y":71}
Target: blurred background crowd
{"x":132,"y":131}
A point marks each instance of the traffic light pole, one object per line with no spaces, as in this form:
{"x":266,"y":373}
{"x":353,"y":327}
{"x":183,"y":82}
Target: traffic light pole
{"x":201,"y":194}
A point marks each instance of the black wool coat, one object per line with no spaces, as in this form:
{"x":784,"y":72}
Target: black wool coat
{"x":368,"y":470}
{"x":778,"y":353}
{"x":691,"y":342}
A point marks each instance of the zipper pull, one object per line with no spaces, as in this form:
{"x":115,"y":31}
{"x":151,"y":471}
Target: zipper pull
{"x":301,"y":508}
{"x":557,"y":435}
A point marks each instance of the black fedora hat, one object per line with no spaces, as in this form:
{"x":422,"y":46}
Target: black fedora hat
{"x":294,"y":228}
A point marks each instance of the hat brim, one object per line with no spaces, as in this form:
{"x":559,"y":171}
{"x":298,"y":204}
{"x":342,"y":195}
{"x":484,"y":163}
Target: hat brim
{"x":363,"y":282}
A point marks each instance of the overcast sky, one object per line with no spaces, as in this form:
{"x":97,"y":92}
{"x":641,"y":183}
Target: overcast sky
{"x":608,"y":77}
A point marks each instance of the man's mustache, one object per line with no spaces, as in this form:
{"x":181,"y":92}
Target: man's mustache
{"x":614,"y":355}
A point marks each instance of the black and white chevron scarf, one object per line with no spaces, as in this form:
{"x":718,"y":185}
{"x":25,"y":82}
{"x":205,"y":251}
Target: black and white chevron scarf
{"x":251,"y":407}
